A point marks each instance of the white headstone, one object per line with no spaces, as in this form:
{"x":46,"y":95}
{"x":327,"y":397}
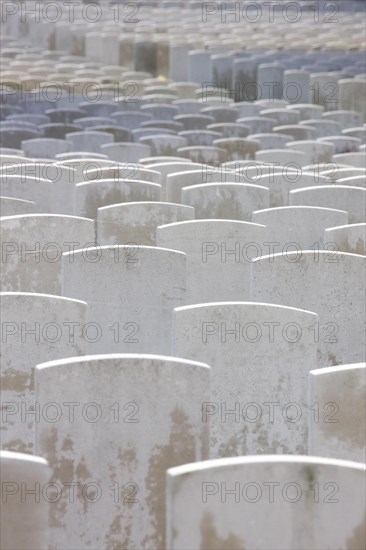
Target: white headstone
{"x":342,"y":144}
{"x":280,"y":182}
{"x":10,"y":206}
{"x":329,"y":283}
{"x":128,"y":170}
{"x":340,"y":197}
{"x":271,"y":140}
{"x":125,"y":152}
{"x":297,"y":131}
{"x":246,"y":502}
{"x":348,"y":238}
{"x":171,"y":167}
{"x":35,"y":328}
{"x":285,"y":157}
{"x":316,"y":151}
{"x":131,"y":291}
{"x":357,"y":160}
{"x":88,"y":140}
{"x":204,"y":154}
{"x":128,"y":429}
{"x":260,"y":356}
{"x":92,"y":195}
{"x":300,"y":225}
{"x":32,"y":247}
{"x":137,"y":221}
{"x":45,"y":147}
{"x":162,"y":144}
{"x":352,"y":95}
{"x":238,"y":148}
{"x":207,"y":174}
{"x":218,"y":252}
{"x":228,"y":201}
{"x":49,"y":186}
{"x":347,"y":119}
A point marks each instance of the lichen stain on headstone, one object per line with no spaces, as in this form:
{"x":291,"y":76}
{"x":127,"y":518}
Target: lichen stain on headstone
{"x":119,"y":532}
{"x":234,"y":445}
{"x":346,"y":423}
{"x":357,"y":248}
{"x":210,"y":539}
{"x":20,"y":382}
{"x":310,"y":474}
{"x":257,"y":441}
{"x":67,"y":444}
{"x":114,"y":540}
{"x":61,"y":467}
{"x":83,"y":474}
{"x":357,"y":541}
{"x":180,"y":449}
{"x":64,"y":471}
{"x":18,"y":446}
{"x":333,"y":361}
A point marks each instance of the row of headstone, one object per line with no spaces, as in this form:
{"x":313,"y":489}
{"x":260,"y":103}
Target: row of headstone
{"x":328,"y":493}
{"x":247,"y":344}
{"x":121,"y":500}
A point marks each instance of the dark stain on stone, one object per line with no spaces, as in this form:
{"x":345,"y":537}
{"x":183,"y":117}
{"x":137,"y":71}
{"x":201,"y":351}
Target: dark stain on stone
{"x":16,"y":381}
{"x":332,"y":360}
{"x":179,"y":450}
{"x":210,"y":540}
{"x":357,"y":541}
{"x":119,"y":533}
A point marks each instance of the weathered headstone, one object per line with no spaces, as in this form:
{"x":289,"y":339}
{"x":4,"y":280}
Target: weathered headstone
{"x":246,"y":502}
{"x":122,"y":405}
{"x":133,"y":311}
{"x":35,"y":328}
{"x":228,"y":201}
{"x":289,"y":278}
{"x":126,"y":152}
{"x":302,"y":226}
{"x":348,"y":238}
{"x":92,"y":195}
{"x":260,"y":356}
{"x":137,"y":221}
{"x":32,"y":247}
{"x":340,"y":197}
{"x":88,"y":140}
{"x":218,"y":252}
